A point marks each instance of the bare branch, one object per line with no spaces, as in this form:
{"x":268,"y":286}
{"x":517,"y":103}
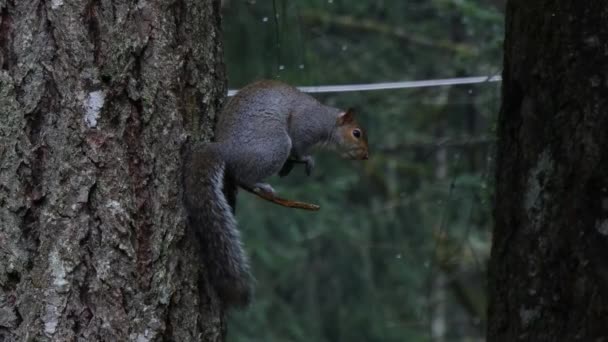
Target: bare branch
{"x":280,"y":201}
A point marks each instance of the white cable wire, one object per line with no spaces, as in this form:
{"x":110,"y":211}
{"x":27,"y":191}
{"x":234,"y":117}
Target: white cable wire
{"x":394,"y":85}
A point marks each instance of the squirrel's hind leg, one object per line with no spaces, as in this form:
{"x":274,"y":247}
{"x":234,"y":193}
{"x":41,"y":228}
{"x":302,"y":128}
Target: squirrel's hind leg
{"x":260,"y":160}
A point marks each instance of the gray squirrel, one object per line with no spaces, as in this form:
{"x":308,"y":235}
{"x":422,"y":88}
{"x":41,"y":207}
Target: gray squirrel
{"x":265,"y":129}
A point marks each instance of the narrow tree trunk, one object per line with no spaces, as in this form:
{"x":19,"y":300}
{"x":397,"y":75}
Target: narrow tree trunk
{"x":96,"y":99}
{"x":439,"y":295}
{"x":549,"y":264}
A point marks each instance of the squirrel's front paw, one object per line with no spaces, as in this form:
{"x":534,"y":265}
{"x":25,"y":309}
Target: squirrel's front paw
{"x":309,"y":164}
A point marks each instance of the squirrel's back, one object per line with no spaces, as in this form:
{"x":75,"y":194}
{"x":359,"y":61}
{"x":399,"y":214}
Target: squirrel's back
{"x":263,"y":105}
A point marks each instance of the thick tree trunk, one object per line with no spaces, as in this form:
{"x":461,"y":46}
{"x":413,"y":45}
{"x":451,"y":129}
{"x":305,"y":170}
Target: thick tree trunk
{"x":549,"y":264}
{"x":96,"y":99}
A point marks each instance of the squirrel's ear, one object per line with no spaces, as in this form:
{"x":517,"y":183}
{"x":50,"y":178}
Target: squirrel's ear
{"x":346,"y":117}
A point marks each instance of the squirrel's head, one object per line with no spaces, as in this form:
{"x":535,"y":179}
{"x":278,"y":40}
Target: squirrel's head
{"x":350,"y":137}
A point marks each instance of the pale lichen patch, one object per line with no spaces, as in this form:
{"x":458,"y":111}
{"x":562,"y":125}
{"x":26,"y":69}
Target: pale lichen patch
{"x":55,"y":305}
{"x":115,"y":207}
{"x":142,"y":338}
{"x":528,"y":316}
{"x":119,"y":217}
{"x":51,"y":319}
{"x":58,"y":271}
{"x":602,"y":227}
{"x":93,"y":104}
{"x":55,"y":4}
{"x":593,"y":41}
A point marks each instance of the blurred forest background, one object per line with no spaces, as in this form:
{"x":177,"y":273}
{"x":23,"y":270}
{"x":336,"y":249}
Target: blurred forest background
{"x":398,"y":251}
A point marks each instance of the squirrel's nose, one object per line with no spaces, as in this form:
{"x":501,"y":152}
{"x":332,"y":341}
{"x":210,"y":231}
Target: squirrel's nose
{"x":366,"y":156}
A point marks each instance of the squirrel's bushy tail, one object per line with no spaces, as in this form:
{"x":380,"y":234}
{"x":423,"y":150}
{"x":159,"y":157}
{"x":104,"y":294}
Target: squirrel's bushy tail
{"x":215,"y":225}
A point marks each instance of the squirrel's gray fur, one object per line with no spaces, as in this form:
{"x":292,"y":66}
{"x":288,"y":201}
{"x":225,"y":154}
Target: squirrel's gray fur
{"x":265,"y":123}
{"x":258,"y":130}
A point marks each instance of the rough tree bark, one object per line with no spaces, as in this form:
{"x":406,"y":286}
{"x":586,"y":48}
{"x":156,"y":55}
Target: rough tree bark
{"x":549,"y":263}
{"x":96,"y":101}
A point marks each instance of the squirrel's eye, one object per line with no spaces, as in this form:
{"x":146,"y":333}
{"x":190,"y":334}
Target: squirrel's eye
{"x":357,"y":133}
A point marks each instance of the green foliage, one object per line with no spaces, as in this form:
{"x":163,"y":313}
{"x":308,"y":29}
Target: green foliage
{"x":363,"y":267}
